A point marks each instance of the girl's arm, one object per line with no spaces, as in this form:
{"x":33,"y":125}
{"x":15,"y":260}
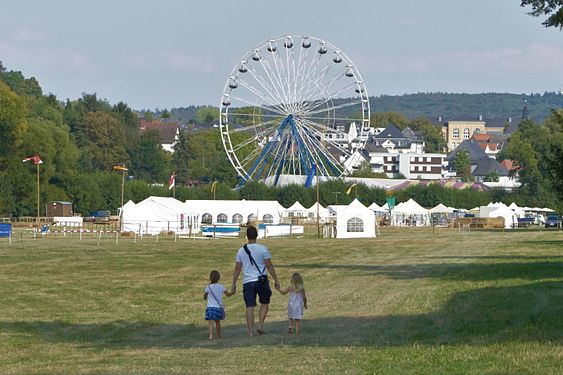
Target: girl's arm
{"x":304,"y":299}
{"x":205,"y":295}
{"x":284,"y":291}
{"x":228,"y":293}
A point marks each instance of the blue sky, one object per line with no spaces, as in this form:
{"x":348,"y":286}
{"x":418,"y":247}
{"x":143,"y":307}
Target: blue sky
{"x":175,"y":53}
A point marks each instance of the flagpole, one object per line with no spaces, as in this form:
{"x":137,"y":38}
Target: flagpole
{"x":318,"y":203}
{"x":38,"y":204}
{"x":122,"y":191}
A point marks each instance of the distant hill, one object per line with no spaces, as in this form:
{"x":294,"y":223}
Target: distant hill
{"x":447,"y":106}
{"x":490,"y":105}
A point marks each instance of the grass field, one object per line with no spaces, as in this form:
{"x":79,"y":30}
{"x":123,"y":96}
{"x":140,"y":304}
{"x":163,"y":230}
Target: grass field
{"x":408,"y":302}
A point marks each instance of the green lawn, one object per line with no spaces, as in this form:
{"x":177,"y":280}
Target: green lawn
{"x":406,"y":302}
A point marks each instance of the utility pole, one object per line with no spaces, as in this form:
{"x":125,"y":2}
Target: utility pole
{"x":335,"y":196}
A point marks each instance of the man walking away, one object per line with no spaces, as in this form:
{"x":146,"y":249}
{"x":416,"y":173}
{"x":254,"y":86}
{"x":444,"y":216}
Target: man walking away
{"x":253,"y":260}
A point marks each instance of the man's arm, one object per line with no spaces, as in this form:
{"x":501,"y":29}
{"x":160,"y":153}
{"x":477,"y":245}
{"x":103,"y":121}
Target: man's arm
{"x":272,"y":271}
{"x":236,"y":274}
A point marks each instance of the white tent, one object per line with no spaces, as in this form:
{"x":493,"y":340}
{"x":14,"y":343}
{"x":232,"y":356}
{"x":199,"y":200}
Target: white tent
{"x":355,"y":221}
{"x":442,"y":209}
{"x":157,"y":214}
{"x":380,"y":211}
{"x":410,"y":213}
{"x":510,"y":218}
{"x":323,"y":212}
{"x":235,"y":212}
{"x":296,"y":210}
{"x":517,"y":210}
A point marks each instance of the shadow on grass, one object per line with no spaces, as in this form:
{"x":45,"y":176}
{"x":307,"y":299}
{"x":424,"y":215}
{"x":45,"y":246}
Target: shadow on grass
{"x":489,"y":315}
{"x":449,"y":271}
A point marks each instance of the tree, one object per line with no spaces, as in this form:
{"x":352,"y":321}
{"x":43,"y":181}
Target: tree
{"x":150,"y":161}
{"x":364,"y":170}
{"x":103,"y":143}
{"x":551,"y":8}
{"x":165,"y":114}
{"x":180,"y":159}
{"x":207,"y":115}
{"x":462,"y":166}
{"x":13,"y":123}
{"x":382,"y":119}
{"x":492,"y":177}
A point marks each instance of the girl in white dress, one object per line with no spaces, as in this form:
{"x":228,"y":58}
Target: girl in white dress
{"x":297,"y":301}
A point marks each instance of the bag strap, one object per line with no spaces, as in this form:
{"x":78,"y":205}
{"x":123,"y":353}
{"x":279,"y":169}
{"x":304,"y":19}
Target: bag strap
{"x":213,"y":294}
{"x":252,"y":259}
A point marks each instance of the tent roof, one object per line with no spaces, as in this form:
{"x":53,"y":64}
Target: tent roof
{"x":441,"y":208}
{"x":410,"y":207}
{"x":297,"y":207}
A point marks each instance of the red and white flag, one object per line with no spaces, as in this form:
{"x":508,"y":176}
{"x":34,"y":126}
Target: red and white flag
{"x":36,"y":159}
{"x":172,"y":181}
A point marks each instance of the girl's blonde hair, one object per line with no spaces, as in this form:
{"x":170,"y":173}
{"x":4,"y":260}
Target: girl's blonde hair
{"x":297,"y":282}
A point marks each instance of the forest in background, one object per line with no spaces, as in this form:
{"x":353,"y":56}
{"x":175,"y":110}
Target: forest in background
{"x":81,"y":140}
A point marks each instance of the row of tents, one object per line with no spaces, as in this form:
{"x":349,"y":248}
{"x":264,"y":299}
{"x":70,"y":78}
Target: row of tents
{"x":156,"y":214}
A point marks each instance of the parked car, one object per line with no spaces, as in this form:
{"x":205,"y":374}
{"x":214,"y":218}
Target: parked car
{"x":553,"y":221}
{"x":98,"y":216}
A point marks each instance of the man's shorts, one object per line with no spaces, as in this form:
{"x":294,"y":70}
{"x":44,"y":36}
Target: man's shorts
{"x":251,"y":289}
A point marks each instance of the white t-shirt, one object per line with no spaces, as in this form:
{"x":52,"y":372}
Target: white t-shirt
{"x":215,"y":299}
{"x":260,"y":253}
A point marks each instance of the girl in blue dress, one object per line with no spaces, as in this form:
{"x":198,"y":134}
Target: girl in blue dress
{"x":215,"y":312}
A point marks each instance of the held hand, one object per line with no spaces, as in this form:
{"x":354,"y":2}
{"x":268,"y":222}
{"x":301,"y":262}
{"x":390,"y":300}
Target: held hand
{"x":233,"y":288}
{"x":277,"y":285}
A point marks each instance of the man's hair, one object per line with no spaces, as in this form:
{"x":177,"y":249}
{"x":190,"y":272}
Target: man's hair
{"x":251,"y":233}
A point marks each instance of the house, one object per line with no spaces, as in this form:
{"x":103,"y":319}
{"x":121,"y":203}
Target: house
{"x":168,"y":130}
{"x":491,"y":143}
{"x":460,"y":129}
{"x":395,"y":140}
{"x":411,"y":165}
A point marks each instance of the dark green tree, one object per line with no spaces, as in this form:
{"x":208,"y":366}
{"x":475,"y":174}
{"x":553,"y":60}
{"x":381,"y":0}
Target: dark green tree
{"x":551,"y":8}
{"x":207,"y":115}
{"x":462,"y":166}
{"x":150,"y":162}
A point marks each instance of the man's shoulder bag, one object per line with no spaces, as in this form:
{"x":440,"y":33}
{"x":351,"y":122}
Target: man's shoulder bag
{"x":262,"y":278}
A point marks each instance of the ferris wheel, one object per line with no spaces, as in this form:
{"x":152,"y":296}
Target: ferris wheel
{"x":294,"y":106}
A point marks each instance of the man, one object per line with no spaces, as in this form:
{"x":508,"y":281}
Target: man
{"x":251,"y":272}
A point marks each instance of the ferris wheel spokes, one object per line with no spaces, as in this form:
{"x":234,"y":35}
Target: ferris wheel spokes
{"x":283,"y":100}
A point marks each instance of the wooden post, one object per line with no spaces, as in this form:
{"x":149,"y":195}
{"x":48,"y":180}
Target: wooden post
{"x":38,"y":207}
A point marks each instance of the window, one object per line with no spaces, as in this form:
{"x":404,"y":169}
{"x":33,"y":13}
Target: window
{"x":477,"y":131}
{"x":268,"y":219}
{"x":355,"y":224}
{"x":251,"y":217}
{"x":237,"y":218}
{"x":206,"y":218}
{"x":466,"y":133}
{"x":222,"y":218}
{"x":455,"y":133}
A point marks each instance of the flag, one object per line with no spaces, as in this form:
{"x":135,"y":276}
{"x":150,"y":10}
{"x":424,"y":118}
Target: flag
{"x":310,"y":175}
{"x":36,"y":159}
{"x":391,"y":203}
{"x":214,"y":186}
{"x":172,"y":181}
{"x":350,"y":189}
{"x":119,"y":168}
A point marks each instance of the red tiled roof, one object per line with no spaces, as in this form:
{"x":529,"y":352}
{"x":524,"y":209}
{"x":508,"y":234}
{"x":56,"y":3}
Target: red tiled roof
{"x":482,"y":137}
